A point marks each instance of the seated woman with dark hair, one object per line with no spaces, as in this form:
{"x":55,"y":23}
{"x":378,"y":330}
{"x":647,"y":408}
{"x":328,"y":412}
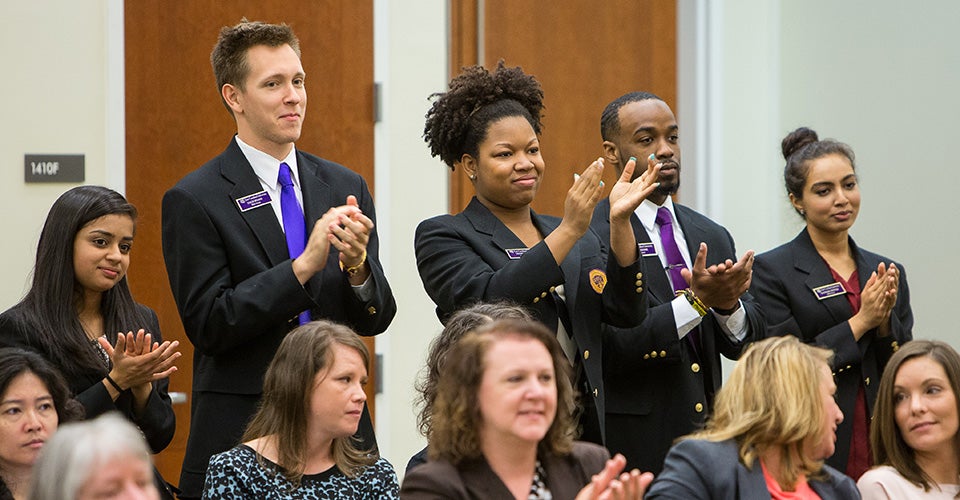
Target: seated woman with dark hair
{"x":774,"y":424}
{"x":459,"y":324}
{"x":914,"y":436}
{"x":299,"y":443}
{"x":502,"y":425}
{"x":34,"y":400}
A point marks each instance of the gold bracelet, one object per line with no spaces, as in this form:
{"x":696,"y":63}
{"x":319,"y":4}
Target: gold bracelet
{"x":354,"y":270}
{"x":694,"y":301}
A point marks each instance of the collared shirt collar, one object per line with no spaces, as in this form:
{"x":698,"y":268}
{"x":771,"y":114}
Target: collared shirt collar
{"x":267,"y":167}
{"x":647,"y":213}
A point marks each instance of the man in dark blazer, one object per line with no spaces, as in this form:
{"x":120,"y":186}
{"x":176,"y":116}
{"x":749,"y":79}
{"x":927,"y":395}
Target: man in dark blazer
{"x":661,"y":376}
{"x":238,"y":286}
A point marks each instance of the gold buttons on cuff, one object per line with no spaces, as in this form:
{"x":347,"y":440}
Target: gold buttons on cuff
{"x":639,"y":275}
{"x":639,"y":282}
{"x":646,"y":356}
{"x":639,"y":289}
{"x":543,"y":295}
{"x":663,"y":354}
{"x":536,"y":299}
{"x":653,"y":354}
{"x":371,"y":310}
{"x":695,"y":368}
{"x":586,"y":354}
{"x":553,"y":289}
{"x":698,"y":407}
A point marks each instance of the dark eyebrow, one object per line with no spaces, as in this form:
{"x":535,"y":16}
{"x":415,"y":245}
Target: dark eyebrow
{"x":653,"y":130}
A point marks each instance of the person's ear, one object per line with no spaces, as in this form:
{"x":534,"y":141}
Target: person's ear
{"x":611,"y":155}
{"x":231,"y":95}
{"x":798,"y":205}
{"x":469,"y":166}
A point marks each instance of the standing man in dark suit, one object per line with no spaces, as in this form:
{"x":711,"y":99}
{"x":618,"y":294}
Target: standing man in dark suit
{"x":262,"y":238}
{"x":661,"y":376}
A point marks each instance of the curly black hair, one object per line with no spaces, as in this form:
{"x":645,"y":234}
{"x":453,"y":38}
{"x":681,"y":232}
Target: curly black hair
{"x":458,"y":120}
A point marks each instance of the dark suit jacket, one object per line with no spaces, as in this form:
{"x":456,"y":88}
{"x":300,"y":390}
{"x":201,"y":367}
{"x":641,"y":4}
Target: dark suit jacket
{"x":698,"y":469}
{"x":156,"y":421}
{"x":783,"y":283}
{"x":656,"y":389}
{"x":234,"y":285}
{"x":462,"y":258}
{"x":474,"y":479}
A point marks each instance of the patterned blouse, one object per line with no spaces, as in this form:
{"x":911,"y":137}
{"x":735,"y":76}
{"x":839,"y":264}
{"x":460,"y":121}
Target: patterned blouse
{"x":236,"y":474}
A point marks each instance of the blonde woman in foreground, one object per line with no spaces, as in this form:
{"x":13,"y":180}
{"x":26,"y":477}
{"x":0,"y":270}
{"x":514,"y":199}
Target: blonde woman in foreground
{"x":774,"y":423}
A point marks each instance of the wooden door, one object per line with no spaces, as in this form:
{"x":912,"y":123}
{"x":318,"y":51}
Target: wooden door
{"x":585,"y":54}
{"x":175,"y":122}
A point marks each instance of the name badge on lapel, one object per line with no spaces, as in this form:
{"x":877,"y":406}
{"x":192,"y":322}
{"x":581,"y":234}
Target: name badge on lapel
{"x":251,"y":201}
{"x":646,"y":249}
{"x":826,"y":291}
{"x":515,"y":253}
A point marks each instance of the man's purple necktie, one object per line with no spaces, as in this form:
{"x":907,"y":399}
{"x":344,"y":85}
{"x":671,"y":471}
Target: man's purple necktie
{"x":675,"y":264}
{"x":294,"y":225}
{"x":670,"y":249}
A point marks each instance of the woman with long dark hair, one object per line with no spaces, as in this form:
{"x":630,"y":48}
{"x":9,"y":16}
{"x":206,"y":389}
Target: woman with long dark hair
{"x":79,"y":305}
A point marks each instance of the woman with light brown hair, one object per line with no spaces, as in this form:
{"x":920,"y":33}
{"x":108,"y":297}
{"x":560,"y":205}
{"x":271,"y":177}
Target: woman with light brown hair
{"x":503,"y":425}
{"x":914,"y":437}
{"x":774,"y":423}
{"x":299,"y":443}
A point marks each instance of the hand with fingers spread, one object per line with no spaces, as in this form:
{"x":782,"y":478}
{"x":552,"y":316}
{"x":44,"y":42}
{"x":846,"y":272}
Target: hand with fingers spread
{"x":582,"y":198}
{"x":625,"y":197}
{"x":628,"y":193}
{"x":138,"y":362}
{"x":608,"y":485}
{"x":720,"y":285}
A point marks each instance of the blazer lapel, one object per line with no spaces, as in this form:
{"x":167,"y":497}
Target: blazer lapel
{"x":262,"y":220}
{"x":317,"y":195}
{"x":570,"y":265}
{"x":809,"y":262}
{"x":485,"y":222}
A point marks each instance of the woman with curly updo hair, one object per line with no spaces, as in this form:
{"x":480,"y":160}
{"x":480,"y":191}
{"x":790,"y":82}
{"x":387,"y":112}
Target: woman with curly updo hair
{"x":827,"y":291}
{"x":488,"y":126}
{"x":502,"y":425}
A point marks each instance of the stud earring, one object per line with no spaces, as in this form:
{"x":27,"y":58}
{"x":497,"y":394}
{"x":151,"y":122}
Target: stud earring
{"x":803,"y":212}
{"x":473,"y":177}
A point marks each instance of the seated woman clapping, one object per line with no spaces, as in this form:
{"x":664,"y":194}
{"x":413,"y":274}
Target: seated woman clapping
{"x":299,"y":443}
{"x":914,"y":435}
{"x":502,"y":425}
{"x":774,"y":423}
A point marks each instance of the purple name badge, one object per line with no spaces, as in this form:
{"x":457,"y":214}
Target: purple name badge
{"x":251,"y":201}
{"x":646,"y":249}
{"x":827,"y":291}
{"x":515,"y":253}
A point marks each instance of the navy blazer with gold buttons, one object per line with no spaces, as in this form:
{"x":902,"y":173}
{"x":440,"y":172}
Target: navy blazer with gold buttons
{"x":783,"y":283}
{"x":473,"y":256}
{"x":657,"y":389}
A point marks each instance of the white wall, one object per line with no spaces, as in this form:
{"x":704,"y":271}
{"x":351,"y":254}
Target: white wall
{"x":410,"y":48}
{"x":55,"y":101}
{"x":874,"y":74}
